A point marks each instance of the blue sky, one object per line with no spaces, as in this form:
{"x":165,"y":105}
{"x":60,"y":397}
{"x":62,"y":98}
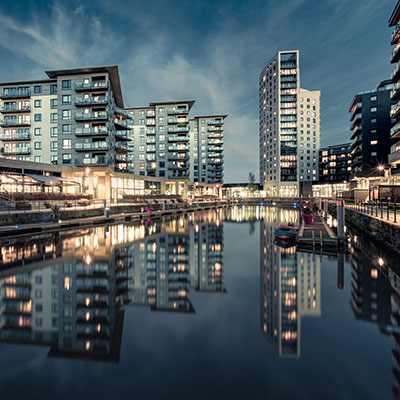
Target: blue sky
{"x":211,"y":51}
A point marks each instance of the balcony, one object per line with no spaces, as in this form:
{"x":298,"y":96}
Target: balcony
{"x":178,"y":167}
{"x":177,"y":139}
{"x":121,"y":123}
{"x":395,"y":75}
{"x":92,"y":116}
{"x":178,"y":121}
{"x":123,"y":112}
{"x":215,"y":162}
{"x":395,"y":131}
{"x":86,"y":86}
{"x":16,"y":94}
{"x":120,"y":158}
{"x":215,"y":122}
{"x":94,"y":146}
{"x":288,"y":85}
{"x":214,"y":155}
{"x":356,"y":161}
{"x":216,"y":142}
{"x":91,"y":101}
{"x":288,"y":99}
{"x":395,"y":35}
{"x":396,"y":54}
{"x":288,"y":78}
{"x":98,"y":160}
{"x":288,"y":118}
{"x":288,"y":65}
{"x":178,"y":149}
{"x":16,"y":151}
{"x":215,"y":129}
{"x":356,"y":132}
{"x":172,"y":157}
{"x":17,"y":137}
{"x":395,"y":92}
{"x":357,"y":110}
{"x":176,"y":129}
{"x":91,"y":131}
{"x":178,"y":111}
{"x":215,"y":148}
{"x":14,"y":110}
{"x":122,"y":135}
{"x":150,"y":131}
{"x":121,"y":147}
{"x":215,"y":135}
{"x":14,"y":122}
{"x":395,"y":111}
{"x":394,"y":156}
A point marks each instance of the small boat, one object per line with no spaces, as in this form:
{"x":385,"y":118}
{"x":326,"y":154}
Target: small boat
{"x":285,"y":234}
{"x":287,"y":227}
{"x":285,"y":244}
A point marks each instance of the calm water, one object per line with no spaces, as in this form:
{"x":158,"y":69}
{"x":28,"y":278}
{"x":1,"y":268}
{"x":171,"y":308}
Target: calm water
{"x":204,"y":306}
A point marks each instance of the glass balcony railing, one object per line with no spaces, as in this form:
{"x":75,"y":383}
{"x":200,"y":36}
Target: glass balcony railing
{"x":150,"y":113}
{"x":215,"y":148}
{"x":285,"y":65}
{"x":215,"y":122}
{"x":178,"y":148}
{"x":396,"y":53}
{"x":180,"y":157}
{"x":215,"y":129}
{"x":394,"y":93}
{"x":178,"y":120}
{"x":121,"y":146}
{"x":395,"y":73}
{"x":91,"y":85}
{"x":395,"y":110}
{"x":96,"y":100}
{"x":178,"y":129}
{"x":395,"y":130}
{"x":101,"y":146}
{"x":97,"y":115}
{"x":14,"y":109}
{"x":395,"y":34}
{"x":151,"y":131}
{"x":99,"y":160}
{"x":15,"y":137}
{"x":178,"y":111}
{"x":16,"y":93}
{"x":16,"y":150}
{"x":15,"y":122}
{"x":91,"y":131}
{"x":173,"y":138}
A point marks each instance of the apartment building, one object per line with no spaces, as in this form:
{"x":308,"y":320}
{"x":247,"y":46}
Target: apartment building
{"x":335,"y":163}
{"x":77,"y":117}
{"x":370,"y":126}
{"x":207,"y":150}
{"x":289,"y":127}
{"x":394,"y":156}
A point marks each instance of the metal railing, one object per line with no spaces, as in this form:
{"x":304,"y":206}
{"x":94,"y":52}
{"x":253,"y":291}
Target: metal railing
{"x":382,"y":209}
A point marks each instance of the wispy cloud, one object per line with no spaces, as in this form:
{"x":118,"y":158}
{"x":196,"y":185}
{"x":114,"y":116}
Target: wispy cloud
{"x":211,"y":52}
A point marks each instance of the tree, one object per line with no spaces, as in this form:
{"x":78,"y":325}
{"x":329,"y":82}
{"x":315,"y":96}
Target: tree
{"x":252,"y":186}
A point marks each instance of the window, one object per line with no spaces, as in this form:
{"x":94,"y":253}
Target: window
{"x":39,"y":307}
{"x":66,"y":99}
{"x":54,"y":146}
{"x":67,"y":144}
{"x":141,"y":112}
{"x":38,"y":280}
{"x":161,"y":110}
{"x":38,"y":117}
{"x":373,"y":154}
{"x":38,"y":145}
{"x":161,"y":120}
{"x":53,"y":89}
{"x":38,"y":158}
{"x":53,"y":132}
{"x":53,"y":103}
{"x":66,"y":129}
{"x":374,"y":98}
{"x":66,"y":114}
{"x":37,"y":89}
{"x":66,"y":158}
{"x":141,"y":121}
{"x":374,"y":142}
{"x":66,"y":85}
{"x":53,"y":117}
{"x":54,"y":159}
{"x":161,"y":128}
{"x":37,"y":103}
{"x":38,"y":131}
{"x":373,"y":109}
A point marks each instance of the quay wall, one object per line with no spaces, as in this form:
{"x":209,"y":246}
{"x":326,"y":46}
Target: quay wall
{"x":385,"y":232}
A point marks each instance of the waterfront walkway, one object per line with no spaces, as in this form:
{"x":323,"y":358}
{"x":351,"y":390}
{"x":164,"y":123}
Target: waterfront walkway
{"x":382,"y":214}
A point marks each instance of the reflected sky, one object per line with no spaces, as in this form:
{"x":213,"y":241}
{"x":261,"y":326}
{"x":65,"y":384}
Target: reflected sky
{"x":206,"y":305}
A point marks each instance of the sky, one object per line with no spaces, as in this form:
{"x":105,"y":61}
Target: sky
{"x":210,"y":51}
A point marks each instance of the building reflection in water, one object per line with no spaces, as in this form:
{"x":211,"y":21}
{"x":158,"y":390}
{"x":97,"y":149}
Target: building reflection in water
{"x":290,"y":286}
{"x":67,"y":291}
{"x":375,"y":294}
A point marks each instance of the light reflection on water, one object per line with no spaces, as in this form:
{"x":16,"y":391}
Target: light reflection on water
{"x":73,"y":292}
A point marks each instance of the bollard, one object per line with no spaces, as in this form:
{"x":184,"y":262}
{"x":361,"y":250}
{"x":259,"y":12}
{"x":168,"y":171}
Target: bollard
{"x":340,"y":218}
{"x":326,"y":209}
